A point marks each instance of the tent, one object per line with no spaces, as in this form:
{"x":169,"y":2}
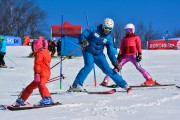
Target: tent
{"x":69,"y":37}
{"x":162,"y":44}
{"x":68,"y":30}
{"x":69,"y":45}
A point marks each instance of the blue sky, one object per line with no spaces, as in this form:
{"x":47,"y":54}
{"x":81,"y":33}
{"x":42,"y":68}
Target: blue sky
{"x":162,"y":14}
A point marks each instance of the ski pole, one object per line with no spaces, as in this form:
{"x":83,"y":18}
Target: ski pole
{"x":62,"y":32}
{"x":52,"y":79}
{"x":95,"y":82}
{"x":66,"y":57}
{"x":55,"y":78}
{"x":9,"y":59}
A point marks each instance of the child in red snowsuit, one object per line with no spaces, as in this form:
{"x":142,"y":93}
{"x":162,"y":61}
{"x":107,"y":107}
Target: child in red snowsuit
{"x":130,"y":50}
{"x":41,"y":74}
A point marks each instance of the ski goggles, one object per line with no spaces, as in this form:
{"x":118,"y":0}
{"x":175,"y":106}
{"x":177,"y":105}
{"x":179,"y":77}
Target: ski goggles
{"x":129,"y":30}
{"x":108,"y":28}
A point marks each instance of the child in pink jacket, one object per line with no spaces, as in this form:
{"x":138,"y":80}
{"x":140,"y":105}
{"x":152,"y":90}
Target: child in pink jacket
{"x":130,"y":50}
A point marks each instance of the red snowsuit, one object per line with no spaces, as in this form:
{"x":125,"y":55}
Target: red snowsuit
{"x":130,"y":45}
{"x":42,"y":67}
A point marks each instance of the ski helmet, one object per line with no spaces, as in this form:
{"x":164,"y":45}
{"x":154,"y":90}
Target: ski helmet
{"x":41,"y":38}
{"x":1,"y":37}
{"x":38,"y":44}
{"x":130,"y":28}
{"x":108,"y":24}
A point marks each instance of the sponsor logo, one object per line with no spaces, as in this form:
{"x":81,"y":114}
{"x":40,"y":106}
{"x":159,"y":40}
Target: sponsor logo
{"x":96,"y":34}
{"x":105,"y":40}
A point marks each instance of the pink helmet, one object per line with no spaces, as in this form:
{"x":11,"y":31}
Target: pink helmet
{"x":38,"y":44}
{"x":41,"y":37}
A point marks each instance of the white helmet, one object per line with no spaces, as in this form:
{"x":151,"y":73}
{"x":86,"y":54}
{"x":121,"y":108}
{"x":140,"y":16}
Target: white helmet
{"x":108,"y":24}
{"x":130,"y":25}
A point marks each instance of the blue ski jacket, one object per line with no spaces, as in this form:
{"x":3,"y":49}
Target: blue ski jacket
{"x":97,"y":41}
{"x":3,"y":46}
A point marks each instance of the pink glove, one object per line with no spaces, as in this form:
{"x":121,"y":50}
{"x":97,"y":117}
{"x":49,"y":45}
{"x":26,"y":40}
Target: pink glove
{"x":37,"y":78}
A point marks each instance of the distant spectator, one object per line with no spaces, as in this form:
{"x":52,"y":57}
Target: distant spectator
{"x":52,"y":46}
{"x":2,"y":52}
{"x":59,"y":47}
{"x":32,"y":48}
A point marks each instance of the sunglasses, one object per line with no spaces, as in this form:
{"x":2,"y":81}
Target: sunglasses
{"x":129,"y":30}
{"x":108,"y":28}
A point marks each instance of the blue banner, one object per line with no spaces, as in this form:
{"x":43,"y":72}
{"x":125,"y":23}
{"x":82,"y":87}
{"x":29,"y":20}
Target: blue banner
{"x":13,"y":41}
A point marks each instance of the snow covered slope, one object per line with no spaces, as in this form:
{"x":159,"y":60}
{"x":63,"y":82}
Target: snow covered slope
{"x":162,"y":103}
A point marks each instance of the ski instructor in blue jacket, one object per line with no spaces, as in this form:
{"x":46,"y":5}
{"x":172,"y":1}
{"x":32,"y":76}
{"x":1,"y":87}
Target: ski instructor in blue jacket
{"x":93,"y":40}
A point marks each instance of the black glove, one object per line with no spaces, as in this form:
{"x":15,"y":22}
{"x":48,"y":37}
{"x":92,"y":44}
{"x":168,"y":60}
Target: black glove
{"x":139,"y":57}
{"x":117,"y":66}
{"x":84,"y":43}
{"x":119,"y":58}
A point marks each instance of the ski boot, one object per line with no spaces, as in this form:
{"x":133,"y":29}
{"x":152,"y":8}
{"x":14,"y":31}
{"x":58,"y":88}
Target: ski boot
{"x":3,"y":66}
{"x":150,"y":82}
{"x":105,"y":82}
{"x":76,"y":89}
{"x":46,"y":101}
{"x":128,"y":89}
{"x":19,"y":102}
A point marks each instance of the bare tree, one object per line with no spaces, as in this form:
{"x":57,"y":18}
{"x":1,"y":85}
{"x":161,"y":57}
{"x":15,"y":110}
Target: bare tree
{"x":176,"y":33}
{"x":140,"y":30}
{"x":118,"y":34}
{"x":22,"y":18}
{"x":147,"y":33}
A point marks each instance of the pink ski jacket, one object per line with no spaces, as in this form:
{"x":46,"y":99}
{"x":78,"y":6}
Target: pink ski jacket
{"x":130,"y":45}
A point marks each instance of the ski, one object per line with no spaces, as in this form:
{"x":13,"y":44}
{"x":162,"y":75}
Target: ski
{"x":158,"y":85}
{"x":6,"y":68}
{"x":95,"y":92}
{"x":3,"y":107}
{"x":111,"y":86}
{"x":34,"y":106}
{"x":178,"y":86}
{"x":112,"y":91}
{"x":134,"y":86}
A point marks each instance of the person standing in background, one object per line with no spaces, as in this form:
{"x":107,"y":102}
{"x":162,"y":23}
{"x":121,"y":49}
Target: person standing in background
{"x":52,"y":46}
{"x":2,"y":51}
{"x":59,"y":47}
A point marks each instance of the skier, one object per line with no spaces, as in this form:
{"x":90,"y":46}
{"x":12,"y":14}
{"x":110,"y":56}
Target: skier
{"x":41,"y":74}
{"x":2,"y":52}
{"x":59,"y":47}
{"x":52,"y":46}
{"x":32,"y":48}
{"x":93,"y":41}
{"x":130,"y":50}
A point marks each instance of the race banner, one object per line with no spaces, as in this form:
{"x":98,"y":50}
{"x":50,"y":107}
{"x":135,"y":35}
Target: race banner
{"x":162,"y":45}
{"x":13,"y":41}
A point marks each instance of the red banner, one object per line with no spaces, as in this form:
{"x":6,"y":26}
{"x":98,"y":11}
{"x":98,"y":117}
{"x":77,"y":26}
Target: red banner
{"x":162,"y":45}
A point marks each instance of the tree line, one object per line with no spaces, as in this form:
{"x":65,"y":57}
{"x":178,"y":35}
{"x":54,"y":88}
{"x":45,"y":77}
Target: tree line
{"x":21,"y":18}
{"x":146,"y":33}
{"x":25,"y":17}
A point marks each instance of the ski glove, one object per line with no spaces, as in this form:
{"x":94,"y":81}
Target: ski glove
{"x":117,"y":66}
{"x":119,"y":58}
{"x":139,"y":57}
{"x":84,"y":43}
{"x":37,"y":78}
